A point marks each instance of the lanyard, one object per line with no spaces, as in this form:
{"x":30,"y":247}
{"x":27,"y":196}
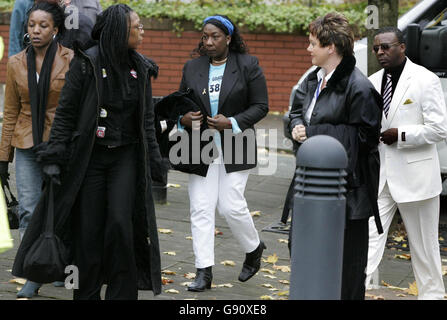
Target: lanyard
{"x":318,"y":89}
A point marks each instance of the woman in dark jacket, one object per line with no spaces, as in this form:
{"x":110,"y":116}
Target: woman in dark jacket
{"x":103,"y":143}
{"x":338,"y":100}
{"x":230,"y":92}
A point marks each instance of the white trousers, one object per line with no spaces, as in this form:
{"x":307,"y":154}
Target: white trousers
{"x":421,"y":219}
{"x":224,"y":191}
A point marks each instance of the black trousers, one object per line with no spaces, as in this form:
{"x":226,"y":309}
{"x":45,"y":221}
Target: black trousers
{"x":355,"y":259}
{"x":103,"y":229}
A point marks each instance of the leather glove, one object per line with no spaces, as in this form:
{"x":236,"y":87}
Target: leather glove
{"x":4,"y":175}
{"x":52,"y":171}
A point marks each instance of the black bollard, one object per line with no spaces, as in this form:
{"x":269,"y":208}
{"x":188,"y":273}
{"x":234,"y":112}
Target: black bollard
{"x":318,"y":220}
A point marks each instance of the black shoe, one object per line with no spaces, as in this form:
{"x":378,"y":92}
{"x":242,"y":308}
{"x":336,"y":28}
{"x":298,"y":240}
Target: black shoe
{"x":203,"y":280}
{"x":252,"y":263}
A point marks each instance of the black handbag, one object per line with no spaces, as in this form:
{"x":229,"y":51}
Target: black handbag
{"x":47,"y":258}
{"x":13,"y":207}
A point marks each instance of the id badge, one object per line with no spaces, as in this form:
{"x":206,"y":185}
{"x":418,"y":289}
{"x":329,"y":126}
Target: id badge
{"x":101,"y":132}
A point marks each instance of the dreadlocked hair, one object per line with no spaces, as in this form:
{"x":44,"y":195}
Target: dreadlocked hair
{"x":237,"y":44}
{"x":112,"y":31}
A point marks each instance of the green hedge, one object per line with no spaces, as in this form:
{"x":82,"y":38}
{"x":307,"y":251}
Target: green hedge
{"x":254,"y":15}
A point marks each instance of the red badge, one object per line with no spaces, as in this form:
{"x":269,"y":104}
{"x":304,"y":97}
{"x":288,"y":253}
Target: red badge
{"x":101,"y":132}
{"x":133,"y":73}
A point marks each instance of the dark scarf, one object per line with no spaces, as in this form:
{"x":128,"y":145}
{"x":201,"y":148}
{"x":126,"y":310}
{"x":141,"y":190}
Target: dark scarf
{"x":38,"y":93}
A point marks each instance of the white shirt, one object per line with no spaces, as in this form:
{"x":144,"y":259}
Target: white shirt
{"x":320,"y":75}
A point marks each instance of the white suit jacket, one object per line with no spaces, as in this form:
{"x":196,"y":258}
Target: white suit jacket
{"x":418,"y":109}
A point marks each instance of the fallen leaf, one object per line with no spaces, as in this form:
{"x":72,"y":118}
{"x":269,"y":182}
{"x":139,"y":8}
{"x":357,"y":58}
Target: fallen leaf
{"x":412,"y":289}
{"x":282,"y":293}
{"x":266,"y":285}
{"x":392,"y":287}
{"x":399,"y":239}
{"x":404,"y":256}
{"x":441,"y":239}
{"x":400,"y":295}
{"x":185,"y":284}
{"x":271,"y":259}
{"x":273,"y":289}
{"x":173,"y":291}
{"x":267,"y":271}
{"x":18,"y":281}
{"x":228,"y":263}
{"x":283,"y":241}
{"x":165,"y":280}
{"x":444,"y":270}
{"x":170,"y":253}
{"x":217,"y":232}
{"x":173,"y":185}
{"x":188,"y":238}
{"x":255,"y":213}
{"x":168,"y":272}
{"x":9,"y":270}
{"x":287,"y":282}
{"x":266,"y":297}
{"x":404,"y":245}
{"x":269,"y":276}
{"x":282,"y":268}
{"x":190,"y":275}
{"x":165,"y":231}
{"x":372,"y":296}
{"x":225,"y":285}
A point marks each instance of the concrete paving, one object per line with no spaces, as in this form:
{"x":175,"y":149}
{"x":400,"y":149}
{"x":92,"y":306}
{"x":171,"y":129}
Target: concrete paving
{"x":265,"y":196}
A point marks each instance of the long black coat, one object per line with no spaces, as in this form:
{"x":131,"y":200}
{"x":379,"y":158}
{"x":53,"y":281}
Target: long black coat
{"x":243,"y":96}
{"x":71,"y":142}
{"x":350,"y":110}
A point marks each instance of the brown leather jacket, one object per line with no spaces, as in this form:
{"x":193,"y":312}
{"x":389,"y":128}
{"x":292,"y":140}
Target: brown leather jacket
{"x":17,"y":128}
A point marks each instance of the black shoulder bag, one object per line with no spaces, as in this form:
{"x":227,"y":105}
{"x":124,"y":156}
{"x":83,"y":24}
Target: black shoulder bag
{"x":47,"y":258}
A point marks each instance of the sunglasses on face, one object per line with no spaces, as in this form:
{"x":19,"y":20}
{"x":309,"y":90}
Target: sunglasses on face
{"x":384,"y":46}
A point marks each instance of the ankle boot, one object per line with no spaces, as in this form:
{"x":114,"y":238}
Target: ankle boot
{"x":29,"y":290}
{"x":252,"y":263}
{"x":203,"y":280}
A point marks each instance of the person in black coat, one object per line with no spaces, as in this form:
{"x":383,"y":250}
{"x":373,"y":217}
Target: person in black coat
{"x":229,"y":95}
{"x":338,"y":100}
{"x":103,"y":149}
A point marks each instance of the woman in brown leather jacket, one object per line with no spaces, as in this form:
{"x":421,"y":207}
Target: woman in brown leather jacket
{"x":35,"y":77}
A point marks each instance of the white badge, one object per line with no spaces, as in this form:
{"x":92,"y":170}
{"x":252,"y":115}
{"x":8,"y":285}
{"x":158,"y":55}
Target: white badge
{"x":103,"y":113}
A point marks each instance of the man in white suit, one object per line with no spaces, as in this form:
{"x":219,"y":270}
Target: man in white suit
{"x":414,"y":120}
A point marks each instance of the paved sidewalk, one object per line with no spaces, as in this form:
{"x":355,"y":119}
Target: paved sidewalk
{"x":264,"y":194}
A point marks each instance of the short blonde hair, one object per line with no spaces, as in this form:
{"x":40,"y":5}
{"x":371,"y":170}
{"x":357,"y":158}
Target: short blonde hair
{"x":334,"y":28}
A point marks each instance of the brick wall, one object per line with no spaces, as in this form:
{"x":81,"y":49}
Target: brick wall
{"x":282,"y":57}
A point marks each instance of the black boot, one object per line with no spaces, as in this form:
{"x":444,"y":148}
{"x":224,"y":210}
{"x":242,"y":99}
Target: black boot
{"x":203,"y":280}
{"x":252,"y":263}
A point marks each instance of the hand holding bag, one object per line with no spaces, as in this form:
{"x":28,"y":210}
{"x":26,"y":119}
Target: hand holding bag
{"x":12,"y":206}
{"x":47,"y":258}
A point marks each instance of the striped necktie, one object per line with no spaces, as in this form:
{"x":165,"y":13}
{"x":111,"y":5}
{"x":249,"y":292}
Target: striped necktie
{"x":387,"y":94}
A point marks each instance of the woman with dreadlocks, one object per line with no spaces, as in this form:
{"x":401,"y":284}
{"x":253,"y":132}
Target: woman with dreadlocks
{"x":230,"y":90}
{"x":102,"y":148}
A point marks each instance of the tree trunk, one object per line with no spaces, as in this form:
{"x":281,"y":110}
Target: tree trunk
{"x":387,"y":11}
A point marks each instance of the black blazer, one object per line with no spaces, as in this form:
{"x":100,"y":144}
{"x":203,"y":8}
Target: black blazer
{"x":243,"y":96}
